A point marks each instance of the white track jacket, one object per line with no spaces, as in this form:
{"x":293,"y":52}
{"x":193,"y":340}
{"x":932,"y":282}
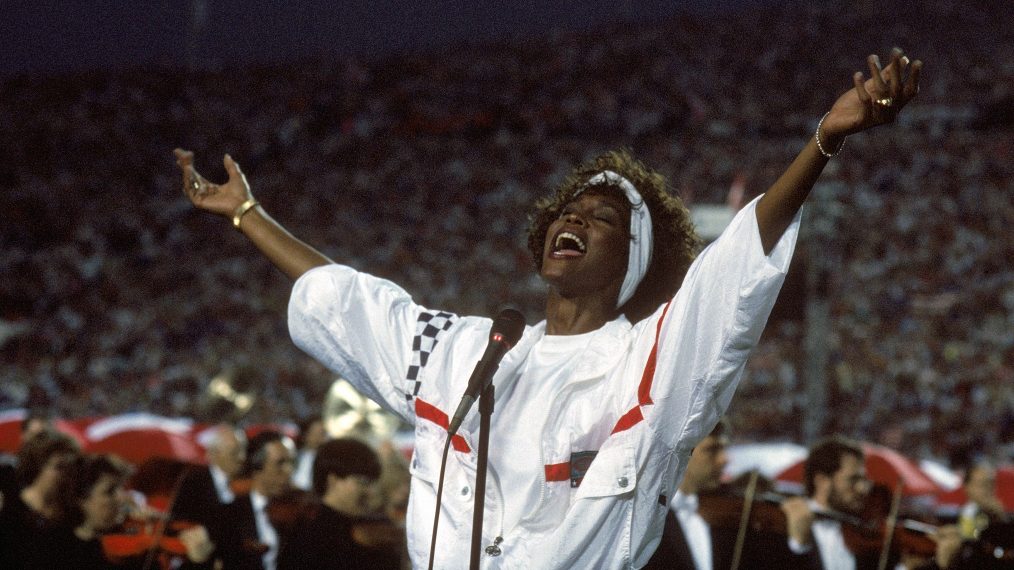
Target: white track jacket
{"x":618,"y":421}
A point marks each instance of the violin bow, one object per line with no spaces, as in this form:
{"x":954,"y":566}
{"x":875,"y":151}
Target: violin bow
{"x":161,"y":526}
{"x":892,"y":519}
{"x":744,"y":519}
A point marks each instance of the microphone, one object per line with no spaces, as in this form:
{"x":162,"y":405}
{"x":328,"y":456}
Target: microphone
{"x":507,"y":328}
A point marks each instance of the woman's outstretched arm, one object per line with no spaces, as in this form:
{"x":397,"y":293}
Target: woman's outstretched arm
{"x":234,"y":200}
{"x":874,"y":101}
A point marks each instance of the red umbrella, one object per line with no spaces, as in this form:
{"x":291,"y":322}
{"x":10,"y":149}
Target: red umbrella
{"x":884,"y":466}
{"x":139,"y":437}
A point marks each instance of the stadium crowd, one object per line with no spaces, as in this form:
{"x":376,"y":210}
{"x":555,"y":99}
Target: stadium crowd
{"x":417,"y":167}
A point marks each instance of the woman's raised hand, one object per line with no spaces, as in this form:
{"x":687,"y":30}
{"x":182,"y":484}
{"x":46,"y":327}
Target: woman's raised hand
{"x":875,"y":100}
{"x":222,"y":199}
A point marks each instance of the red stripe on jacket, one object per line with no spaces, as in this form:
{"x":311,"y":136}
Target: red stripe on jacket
{"x":428,"y":411}
{"x":634,"y":415}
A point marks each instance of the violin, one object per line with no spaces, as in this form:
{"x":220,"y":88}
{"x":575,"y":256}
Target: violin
{"x":377,"y":531}
{"x":149,"y":538}
{"x":726,"y":508}
{"x":285,"y":510}
{"x":241,"y":486}
{"x":151,"y":534}
{"x":371,"y":531}
{"x":879,"y":525}
{"x":865,"y":534}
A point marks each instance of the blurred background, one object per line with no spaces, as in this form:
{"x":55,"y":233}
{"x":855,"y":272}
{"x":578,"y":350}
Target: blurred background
{"x":408,"y":139}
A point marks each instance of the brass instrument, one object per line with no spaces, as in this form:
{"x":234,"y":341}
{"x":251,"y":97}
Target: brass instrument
{"x":223,"y":401}
{"x":348,"y":413}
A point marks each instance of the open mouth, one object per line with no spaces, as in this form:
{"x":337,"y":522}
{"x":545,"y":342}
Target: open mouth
{"x":568,"y":244}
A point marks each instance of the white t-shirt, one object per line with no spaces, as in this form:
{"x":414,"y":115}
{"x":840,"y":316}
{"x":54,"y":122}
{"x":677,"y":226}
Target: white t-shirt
{"x":553,"y":357}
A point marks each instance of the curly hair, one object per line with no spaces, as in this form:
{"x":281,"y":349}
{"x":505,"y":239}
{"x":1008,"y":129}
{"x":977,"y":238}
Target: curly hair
{"x":83,"y":473}
{"x":675,"y":240}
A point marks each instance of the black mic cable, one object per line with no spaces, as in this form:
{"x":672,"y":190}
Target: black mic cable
{"x":440,"y":493}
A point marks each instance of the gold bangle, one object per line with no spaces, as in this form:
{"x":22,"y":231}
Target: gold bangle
{"x":820,"y":146}
{"x":242,"y":210}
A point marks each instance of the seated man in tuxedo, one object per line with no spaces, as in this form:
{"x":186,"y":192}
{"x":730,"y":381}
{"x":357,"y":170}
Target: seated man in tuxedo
{"x":983,"y":507}
{"x":695,"y":541}
{"x":246,"y":538}
{"x":836,"y":483}
{"x":204,"y":490}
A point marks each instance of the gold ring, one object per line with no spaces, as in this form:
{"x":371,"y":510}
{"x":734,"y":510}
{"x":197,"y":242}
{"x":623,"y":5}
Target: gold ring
{"x":195,"y":183}
{"x":886,"y":101}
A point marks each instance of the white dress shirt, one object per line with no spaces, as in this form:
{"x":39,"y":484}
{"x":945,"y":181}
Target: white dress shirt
{"x":221,"y":481}
{"x":266,"y":533}
{"x":827,"y":533}
{"x":302,"y":477}
{"x":695,"y":528}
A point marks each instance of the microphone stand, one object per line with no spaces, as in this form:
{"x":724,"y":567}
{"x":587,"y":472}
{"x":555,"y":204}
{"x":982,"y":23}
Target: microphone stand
{"x":482,"y":461}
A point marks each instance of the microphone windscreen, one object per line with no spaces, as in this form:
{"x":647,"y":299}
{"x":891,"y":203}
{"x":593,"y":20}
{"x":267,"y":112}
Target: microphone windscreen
{"x":509,"y":325}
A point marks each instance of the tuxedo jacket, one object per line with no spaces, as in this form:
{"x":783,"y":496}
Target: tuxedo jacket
{"x":237,"y":543}
{"x":769,"y":550}
{"x":197,"y":499}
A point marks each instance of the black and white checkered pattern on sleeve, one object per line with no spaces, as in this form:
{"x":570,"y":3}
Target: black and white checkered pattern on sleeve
{"x":428,"y":329}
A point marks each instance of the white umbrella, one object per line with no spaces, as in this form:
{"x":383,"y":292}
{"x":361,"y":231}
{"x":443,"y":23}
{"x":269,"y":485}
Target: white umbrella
{"x":768,"y":458}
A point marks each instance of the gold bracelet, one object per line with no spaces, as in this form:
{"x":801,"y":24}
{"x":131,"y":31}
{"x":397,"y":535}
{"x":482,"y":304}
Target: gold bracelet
{"x":820,"y":147}
{"x":242,"y":210}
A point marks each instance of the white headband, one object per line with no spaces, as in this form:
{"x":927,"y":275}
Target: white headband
{"x":641,"y":240}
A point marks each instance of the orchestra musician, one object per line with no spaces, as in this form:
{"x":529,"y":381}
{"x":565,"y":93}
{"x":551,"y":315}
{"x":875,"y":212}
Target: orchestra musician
{"x":982,"y":507}
{"x":838,"y":492}
{"x":246,"y":539}
{"x":93,"y":503}
{"x":340,"y":533}
{"x":205,"y":490}
{"x":34,"y":422}
{"x":696,"y":537}
{"x":312,"y":434}
{"x":29,"y":509}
